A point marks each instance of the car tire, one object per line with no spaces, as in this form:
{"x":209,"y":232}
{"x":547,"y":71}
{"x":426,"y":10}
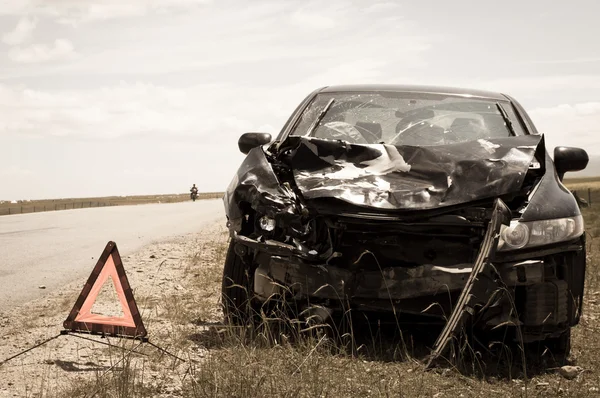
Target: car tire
{"x":236,"y":291}
{"x":561,"y":346}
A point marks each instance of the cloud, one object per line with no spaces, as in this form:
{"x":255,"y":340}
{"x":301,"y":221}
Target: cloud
{"x":361,"y":70}
{"x":21,"y":33}
{"x":15,"y":7}
{"x":141,"y":111}
{"x":385,"y":6}
{"x":15,"y":171}
{"x":61,"y":49}
{"x":528,"y":84}
{"x":543,"y":91}
{"x":584,"y":60}
{"x":237,"y":48}
{"x":311,"y":20}
{"x":241,"y":47}
{"x":570,"y":125}
{"x":34,"y":53}
{"x":75,"y":11}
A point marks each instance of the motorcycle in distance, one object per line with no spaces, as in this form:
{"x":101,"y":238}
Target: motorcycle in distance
{"x":194,"y":193}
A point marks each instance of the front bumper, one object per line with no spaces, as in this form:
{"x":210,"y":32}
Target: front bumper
{"x":540,"y":290}
{"x":413,"y":290}
{"x":320,"y":281}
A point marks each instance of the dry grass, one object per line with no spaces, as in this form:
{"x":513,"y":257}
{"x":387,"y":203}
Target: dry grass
{"x":584,"y":187}
{"x":35,"y":206}
{"x":275,"y":364}
{"x":273,"y":361}
{"x":591,"y":181}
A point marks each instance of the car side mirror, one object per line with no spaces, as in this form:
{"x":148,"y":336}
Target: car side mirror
{"x":249,"y":141}
{"x":569,"y":159}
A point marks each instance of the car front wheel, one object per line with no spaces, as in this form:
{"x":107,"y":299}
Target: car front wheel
{"x":560,"y":347}
{"x":236,"y":290}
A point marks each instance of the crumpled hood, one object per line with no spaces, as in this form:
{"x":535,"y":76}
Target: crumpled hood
{"x":410,"y":177}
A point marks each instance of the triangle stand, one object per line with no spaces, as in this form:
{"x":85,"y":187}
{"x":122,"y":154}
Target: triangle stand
{"x":81,"y":320}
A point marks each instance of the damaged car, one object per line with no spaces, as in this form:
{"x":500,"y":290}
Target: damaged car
{"x":437,"y":205}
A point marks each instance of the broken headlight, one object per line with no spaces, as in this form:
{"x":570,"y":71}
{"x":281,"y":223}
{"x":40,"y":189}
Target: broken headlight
{"x":519,"y":234}
{"x":267,"y":224}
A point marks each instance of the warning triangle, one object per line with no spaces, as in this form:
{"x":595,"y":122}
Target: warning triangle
{"x":82,"y":319}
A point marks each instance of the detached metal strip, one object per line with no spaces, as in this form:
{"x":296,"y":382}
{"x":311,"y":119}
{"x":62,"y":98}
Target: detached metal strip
{"x":480,"y":286}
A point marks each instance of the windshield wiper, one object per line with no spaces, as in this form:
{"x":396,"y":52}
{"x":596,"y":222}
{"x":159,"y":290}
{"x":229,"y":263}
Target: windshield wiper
{"x":319,"y":118}
{"x":506,"y":119}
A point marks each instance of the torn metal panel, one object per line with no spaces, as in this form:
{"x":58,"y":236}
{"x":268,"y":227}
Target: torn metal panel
{"x":410,"y":177}
{"x":329,"y":282}
{"x":483,"y":284}
{"x":256,"y":183}
{"x":394,"y":283}
{"x":274,"y":247}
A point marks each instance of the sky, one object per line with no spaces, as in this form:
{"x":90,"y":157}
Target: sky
{"x":120,"y":97}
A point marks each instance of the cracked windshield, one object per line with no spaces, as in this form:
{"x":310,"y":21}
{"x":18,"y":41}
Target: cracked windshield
{"x":406,"y":119}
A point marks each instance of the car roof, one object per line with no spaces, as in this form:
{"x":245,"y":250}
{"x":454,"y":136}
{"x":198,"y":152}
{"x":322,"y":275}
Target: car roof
{"x":463,"y":92}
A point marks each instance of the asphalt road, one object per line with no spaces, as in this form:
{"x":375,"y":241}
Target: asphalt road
{"x":55,"y":248}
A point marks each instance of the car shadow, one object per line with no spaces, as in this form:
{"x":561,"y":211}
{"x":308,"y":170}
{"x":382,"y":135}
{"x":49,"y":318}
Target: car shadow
{"x":386,"y":341}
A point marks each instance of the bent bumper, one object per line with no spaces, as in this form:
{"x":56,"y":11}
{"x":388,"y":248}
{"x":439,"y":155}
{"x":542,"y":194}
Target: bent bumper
{"x":547,"y":287}
{"x":306,"y":280}
{"x":540,"y":290}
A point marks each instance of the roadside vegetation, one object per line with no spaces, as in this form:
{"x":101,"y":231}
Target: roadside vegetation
{"x":283,"y":358}
{"x":291,"y":363}
{"x":587,"y":188}
{"x":35,"y":206}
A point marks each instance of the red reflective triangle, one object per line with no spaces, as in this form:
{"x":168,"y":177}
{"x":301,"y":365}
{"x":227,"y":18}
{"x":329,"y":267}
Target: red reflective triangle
{"x":81,"y":319}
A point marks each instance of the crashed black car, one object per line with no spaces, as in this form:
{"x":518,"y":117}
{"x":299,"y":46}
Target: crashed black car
{"x":437,"y":203}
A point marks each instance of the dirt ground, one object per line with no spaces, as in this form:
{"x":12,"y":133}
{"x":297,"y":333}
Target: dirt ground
{"x":161,"y":276}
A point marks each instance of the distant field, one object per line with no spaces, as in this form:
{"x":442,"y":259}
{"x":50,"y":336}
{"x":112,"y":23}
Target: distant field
{"x":587,"y":188}
{"x":26,"y":206}
{"x":583,"y":183}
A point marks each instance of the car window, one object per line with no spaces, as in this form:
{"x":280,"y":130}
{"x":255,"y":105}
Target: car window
{"x":405,"y":118}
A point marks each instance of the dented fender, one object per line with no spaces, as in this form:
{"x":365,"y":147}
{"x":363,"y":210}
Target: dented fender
{"x":256,"y":184}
